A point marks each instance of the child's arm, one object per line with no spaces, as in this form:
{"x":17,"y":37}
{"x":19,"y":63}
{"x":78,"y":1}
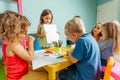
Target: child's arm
{"x":71,"y":58}
{"x":19,"y":50}
{"x":30,"y":45}
{"x":39,"y":34}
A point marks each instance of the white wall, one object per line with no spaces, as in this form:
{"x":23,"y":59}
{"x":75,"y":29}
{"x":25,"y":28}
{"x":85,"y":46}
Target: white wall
{"x":108,"y":11}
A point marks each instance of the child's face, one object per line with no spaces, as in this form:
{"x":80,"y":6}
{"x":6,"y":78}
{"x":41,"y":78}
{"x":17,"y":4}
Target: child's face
{"x":22,"y":36}
{"x":47,"y":19}
{"x":97,"y":29}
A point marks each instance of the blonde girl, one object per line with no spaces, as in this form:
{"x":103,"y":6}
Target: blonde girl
{"x":13,"y":27}
{"x":110,"y":40}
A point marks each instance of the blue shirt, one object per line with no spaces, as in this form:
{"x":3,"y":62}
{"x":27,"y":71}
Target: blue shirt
{"x":87,"y":53}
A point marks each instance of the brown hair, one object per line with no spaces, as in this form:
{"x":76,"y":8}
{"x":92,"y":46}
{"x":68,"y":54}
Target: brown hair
{"x":93,"y":29}
{"x":112,"y":30}
{"x":11,"y":24}
{"x":44,"y":13}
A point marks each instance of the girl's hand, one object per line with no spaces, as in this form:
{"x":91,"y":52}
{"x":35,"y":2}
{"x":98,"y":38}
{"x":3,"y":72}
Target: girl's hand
{"x":58,"y":33}
{"x":44,"y":33}
{"x":31,"y":39}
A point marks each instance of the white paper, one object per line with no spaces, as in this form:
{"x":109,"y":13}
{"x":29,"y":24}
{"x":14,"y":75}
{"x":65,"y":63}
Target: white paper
{"x":42,"y":59}
{"x":51,"y":32}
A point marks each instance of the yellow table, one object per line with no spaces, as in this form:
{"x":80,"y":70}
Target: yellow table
{"x":53,"y":68}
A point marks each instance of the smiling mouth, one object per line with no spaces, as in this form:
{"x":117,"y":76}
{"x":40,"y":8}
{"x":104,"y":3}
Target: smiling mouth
{"x":94,"y":31}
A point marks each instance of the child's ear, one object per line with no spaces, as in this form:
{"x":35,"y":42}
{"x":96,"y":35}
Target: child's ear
{"x":75,"y":35}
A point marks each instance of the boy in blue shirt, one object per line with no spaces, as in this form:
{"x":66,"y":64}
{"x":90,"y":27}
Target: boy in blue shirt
{"x":85,"y":56}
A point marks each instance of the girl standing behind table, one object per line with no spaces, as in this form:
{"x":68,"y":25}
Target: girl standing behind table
{"x":45,"y":18}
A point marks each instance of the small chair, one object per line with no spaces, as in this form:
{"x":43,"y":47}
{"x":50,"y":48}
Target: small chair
{"x":110,"y":63}
{"x":115,"y":72}
{"x":111,"y":70}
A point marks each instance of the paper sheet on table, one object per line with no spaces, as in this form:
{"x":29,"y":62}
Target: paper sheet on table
{"x":41,"y":59}
{"x":51,"y":32}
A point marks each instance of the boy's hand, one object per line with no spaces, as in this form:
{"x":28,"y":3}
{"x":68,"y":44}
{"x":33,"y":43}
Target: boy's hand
{"x":68,"y":53}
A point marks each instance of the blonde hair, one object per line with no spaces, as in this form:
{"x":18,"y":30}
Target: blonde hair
{"x":112,"y":30}
{"x":75,"y":25}
{"x":12,"y":24}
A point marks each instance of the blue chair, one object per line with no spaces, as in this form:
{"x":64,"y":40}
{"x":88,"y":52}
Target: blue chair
{"x":36,"y":45}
